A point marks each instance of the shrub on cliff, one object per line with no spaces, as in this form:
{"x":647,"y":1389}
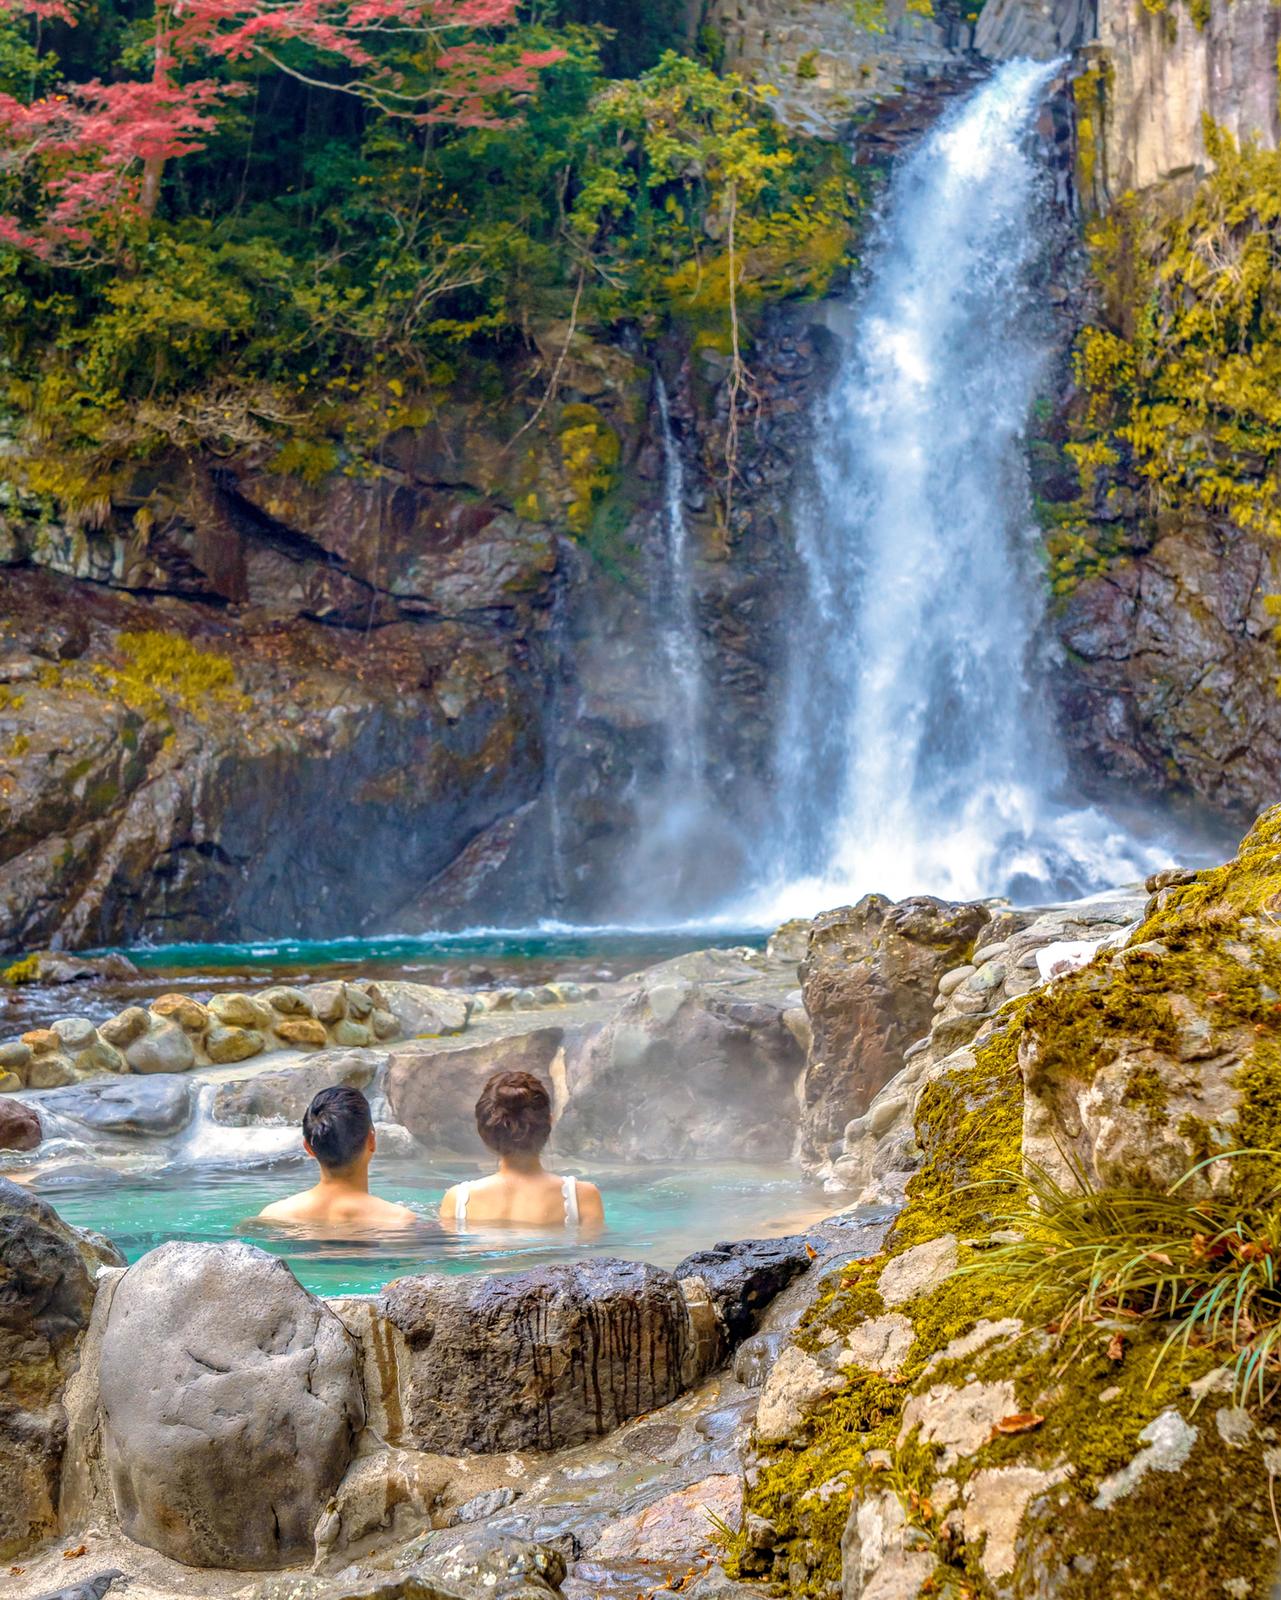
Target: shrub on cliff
{"x":1181,"y":374}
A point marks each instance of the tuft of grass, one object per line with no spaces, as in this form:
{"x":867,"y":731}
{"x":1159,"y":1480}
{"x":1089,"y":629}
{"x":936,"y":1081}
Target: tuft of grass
{"x":1209,"y":1267}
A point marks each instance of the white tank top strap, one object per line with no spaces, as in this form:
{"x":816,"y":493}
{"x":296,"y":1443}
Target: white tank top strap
{"x":460,"y":1204}
{"x":569,"y":1188}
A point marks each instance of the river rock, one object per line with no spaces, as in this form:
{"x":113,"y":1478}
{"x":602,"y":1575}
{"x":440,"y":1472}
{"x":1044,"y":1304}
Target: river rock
{"x":227,"y":1044}
{"x":328,"y":1000}
{"x":16,"y":1057}
{"x":743,"y":1278}
{"x":153,"y":1107}
{"x":19,"y":1126}
{"x":95,"y":1588}
{"x":302,"y":1033}
{"x":182,"y":1009}
{"x":384,"y":1025}
{"x":681,"y":1073}
{"x":50,"y":1070}
{"x":358,"y":1003}
{"x":47,"y":1272}
{"x":241,"y":1011}
{"x":224,"y":1445}
{"x":122,"y":1030}
{"x":288,"y":1001}
{"x":678,"y":1525}
{"x":869,"y":979}
{"x":421,"y":1009}
{"x":282,"y":1096}
{"x":76,"y":1033}
{"x":537,"y":1360}
{"x":351,"y":1035}
{"x":432,"y":1088}
{"x":483,"y":1562}
{"x":164,"y":1048}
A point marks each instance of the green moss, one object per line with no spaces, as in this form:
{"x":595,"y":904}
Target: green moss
{"x":970,"y":1126}
{"x":807,"y":66}
{"x":1258,"y":1083}
{"x":25,"y":971}
{"x":1181,"y":1537}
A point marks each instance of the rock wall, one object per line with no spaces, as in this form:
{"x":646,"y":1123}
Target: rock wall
{"x":436,"y":704}
{"x":827,"y":65}
{"x":1160,"y":71}
{"x":1165,"y":74}
{"x":965,"y":1411}
{"x":1172,"y":684}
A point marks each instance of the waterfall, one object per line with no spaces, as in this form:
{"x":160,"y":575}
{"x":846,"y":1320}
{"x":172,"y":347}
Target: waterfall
{"x":916,"y":752}
{"x":688,"y":854}
{"x":676,"y":623}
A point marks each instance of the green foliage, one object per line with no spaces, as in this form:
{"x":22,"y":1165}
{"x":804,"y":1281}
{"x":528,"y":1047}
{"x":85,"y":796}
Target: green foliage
{"x":1207,"y":1269}
{"x":321,"y":274}
{"x":25,"y":971}
{"x":1182,"y":377}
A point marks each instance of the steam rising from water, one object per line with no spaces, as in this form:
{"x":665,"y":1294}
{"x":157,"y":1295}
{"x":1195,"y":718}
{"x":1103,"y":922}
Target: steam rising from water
{"x":916,"y":751}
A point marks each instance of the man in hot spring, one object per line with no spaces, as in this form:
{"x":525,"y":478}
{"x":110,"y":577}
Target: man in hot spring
{"x":338,"y":1133}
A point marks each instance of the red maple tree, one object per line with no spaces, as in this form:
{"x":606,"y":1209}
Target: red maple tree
{"x":95,"y":152}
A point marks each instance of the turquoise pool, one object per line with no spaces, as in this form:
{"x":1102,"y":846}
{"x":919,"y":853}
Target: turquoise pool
{"x":656,"y":1214}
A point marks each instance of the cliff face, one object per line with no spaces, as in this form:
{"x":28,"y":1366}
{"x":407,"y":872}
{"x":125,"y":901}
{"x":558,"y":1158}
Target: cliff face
{"x":249,"y":702}
{"x":1168,"y":663}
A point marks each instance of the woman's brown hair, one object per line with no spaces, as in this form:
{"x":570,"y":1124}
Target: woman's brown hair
{"x":514,"y":1114}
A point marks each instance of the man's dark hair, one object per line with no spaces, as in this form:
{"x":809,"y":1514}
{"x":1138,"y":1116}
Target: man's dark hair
{"x":514,"y":1114}
{"x":336,"y":1125}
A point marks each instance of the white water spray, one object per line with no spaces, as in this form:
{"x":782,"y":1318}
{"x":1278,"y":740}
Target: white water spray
{"x":677,"y":622}
{"x":917,"y":754}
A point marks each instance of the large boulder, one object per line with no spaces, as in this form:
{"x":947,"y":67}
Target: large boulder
{"x":869,"y":979}
{"x":148,"y":1106}
{"x":282,"y":1096}
{"x":224,"y":1444}
{"x":47,"y":1272}
{"x":681,"y":1073}
{"x":433,"y":1089}
{"x":537,"y":1360}
{"x":744,"y":1277}
{"x":1151,"y":1058}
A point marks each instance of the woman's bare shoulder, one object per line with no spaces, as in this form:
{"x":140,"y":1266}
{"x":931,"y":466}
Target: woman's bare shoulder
{"x":591,"y":1208}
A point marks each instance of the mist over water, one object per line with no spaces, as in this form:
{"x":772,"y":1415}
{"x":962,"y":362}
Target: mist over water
{"x":916,"y":751}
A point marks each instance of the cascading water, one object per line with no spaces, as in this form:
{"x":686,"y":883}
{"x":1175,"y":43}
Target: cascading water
{"x":688,"y":855}
{"x":672,"y":591}
{"x":915,"y":754}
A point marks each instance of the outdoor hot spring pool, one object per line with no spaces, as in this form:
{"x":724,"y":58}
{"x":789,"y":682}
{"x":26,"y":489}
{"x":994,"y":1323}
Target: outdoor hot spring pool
{"x":654,"y":1213}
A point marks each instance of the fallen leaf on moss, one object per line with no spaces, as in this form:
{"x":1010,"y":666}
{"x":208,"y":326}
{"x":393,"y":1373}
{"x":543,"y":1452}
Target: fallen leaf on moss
{"x":1020,"y":1422}
{"x":1116,"y":1346}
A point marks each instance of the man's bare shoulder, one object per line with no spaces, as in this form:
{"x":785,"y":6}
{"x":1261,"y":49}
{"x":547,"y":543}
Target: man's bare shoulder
{"x":297,"y":1208}
{"x":390,"y":1211}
